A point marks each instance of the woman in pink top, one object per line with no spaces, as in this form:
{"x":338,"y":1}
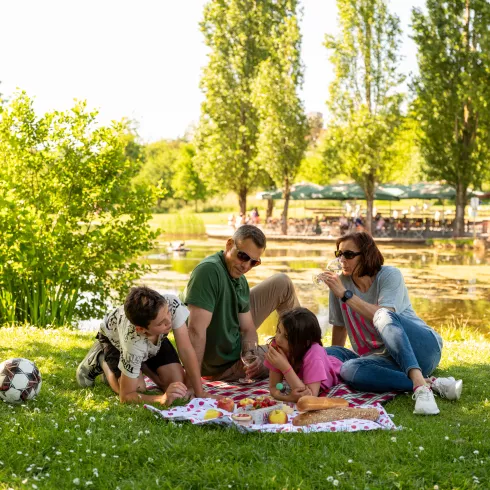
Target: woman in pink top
{"x":296,"y":355}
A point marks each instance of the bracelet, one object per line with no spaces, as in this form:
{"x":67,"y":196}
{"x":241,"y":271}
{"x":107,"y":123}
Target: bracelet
{"x":287,"y":371}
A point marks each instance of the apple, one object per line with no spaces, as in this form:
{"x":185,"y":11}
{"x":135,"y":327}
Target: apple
{"x":226,"y":403}
{"x":212,"y":414}
{"x":245,"y":402}
{"x":278,"y":417}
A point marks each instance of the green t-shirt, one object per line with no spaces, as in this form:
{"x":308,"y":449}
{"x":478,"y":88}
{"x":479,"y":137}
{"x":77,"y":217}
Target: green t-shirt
{"x":213,"y":289}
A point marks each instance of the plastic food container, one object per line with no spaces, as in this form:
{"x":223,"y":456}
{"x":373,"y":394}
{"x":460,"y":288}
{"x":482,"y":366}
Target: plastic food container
{"x":242,"y":418}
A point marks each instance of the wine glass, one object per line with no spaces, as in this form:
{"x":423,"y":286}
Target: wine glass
{"x":248,"y":356}
{"x":334,"y":266}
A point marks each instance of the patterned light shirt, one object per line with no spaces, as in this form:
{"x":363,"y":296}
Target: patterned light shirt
{"x":135,"y":349}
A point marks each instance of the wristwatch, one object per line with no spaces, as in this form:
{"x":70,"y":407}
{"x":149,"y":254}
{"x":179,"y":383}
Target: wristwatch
{"x":347,"y":295}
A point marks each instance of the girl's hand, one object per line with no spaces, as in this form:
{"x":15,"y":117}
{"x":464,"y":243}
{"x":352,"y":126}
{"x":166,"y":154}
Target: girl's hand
{"x":277,"y":358}
{"x":332,"y":280}
{"x":299,"y":392}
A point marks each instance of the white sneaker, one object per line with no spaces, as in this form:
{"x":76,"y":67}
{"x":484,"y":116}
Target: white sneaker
{"x":447,"y":387}
{"x":425,"y":403}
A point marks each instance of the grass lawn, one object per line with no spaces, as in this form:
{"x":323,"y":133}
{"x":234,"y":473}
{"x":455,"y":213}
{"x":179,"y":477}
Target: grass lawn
{"x":83,"y":438}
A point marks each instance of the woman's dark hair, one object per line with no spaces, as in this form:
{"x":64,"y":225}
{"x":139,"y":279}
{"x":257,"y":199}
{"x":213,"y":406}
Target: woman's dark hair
{"x":302,"y":330}
{"x":142,"y":305}
{"x":371,"y":259}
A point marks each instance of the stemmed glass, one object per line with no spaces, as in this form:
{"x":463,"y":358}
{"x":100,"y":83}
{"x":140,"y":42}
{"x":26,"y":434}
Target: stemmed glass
{"x":334,"y":266}
{"x":248,"y":356}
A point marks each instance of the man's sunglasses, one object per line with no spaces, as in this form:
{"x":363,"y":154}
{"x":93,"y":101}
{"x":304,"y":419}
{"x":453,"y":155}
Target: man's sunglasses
{"x":347,"y":254}
{"x":243,"y":257}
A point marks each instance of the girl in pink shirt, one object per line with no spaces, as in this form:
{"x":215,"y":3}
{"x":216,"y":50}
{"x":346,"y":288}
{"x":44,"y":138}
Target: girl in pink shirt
{"x":296,"y":355}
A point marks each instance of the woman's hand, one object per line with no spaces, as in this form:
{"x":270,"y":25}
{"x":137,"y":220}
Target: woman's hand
{"x":277,"y":358}
{"x":332,"y":280}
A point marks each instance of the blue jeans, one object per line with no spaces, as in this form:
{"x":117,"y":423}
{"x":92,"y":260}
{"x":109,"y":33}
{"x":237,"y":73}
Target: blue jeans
{"x":409,"y":344}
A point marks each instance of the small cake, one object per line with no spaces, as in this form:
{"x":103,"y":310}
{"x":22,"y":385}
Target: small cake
{"x":242,"y":418}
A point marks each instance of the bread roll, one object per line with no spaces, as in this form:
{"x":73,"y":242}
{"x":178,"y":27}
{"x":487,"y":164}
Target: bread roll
{"x":333,"y":414}
{"x":307,"y":403}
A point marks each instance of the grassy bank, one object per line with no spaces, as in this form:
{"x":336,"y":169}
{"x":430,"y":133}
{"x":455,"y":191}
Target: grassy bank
{"x":83,"y":438}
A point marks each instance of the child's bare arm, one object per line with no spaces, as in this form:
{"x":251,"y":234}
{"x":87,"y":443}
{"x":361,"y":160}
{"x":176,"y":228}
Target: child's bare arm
{"x":314,"y":388}
{"x":274,"y":379}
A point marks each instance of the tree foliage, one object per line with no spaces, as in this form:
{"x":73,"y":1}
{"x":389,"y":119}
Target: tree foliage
{"x":227,"y":134}
{"x":364,"y":103}
{"x":283,"y":126}
{"x":158,"y":168}
{"x":186,"y":182}
{"x":453,"y":91}
{"x":241,"y":35}
{"x":71,"y":221}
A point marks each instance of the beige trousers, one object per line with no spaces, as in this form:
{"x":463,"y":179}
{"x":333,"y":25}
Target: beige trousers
{"x":274,"y":294}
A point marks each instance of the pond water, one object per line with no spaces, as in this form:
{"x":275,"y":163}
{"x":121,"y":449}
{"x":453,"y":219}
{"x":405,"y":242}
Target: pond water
{"x":446,"y":286}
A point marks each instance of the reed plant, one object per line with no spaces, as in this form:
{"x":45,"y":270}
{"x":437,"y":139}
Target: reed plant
{"x":180,"y":225}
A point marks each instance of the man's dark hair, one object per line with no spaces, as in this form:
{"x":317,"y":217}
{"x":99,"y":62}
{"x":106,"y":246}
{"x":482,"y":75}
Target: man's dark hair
{"x":250,"y":231}
{"x":142,"y":305}
{"x":302,"y":331}
{"x":371,"y":258}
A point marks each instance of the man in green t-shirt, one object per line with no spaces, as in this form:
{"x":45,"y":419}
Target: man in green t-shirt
{"x":224,"y":312}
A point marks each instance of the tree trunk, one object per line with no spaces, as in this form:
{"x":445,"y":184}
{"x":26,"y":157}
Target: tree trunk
{"x":286,"y":194}
{"x":369,"y":214}
{"x":270,"y":208}
{"x":369,"y":191}
{"x":460,"y":208}
{"x":242,"y":201}
{"x":196,"y":201}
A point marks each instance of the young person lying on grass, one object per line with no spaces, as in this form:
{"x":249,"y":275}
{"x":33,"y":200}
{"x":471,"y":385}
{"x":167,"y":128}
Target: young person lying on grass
{"x":393,"y":349}
{"x":133,"y":341}
{"x":297,"y":356}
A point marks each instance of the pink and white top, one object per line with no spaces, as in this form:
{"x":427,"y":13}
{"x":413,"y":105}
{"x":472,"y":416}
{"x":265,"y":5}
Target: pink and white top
{"x":317,"y":366}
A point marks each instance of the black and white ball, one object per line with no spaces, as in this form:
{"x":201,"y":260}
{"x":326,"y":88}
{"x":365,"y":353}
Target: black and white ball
{"x":20,"y":380}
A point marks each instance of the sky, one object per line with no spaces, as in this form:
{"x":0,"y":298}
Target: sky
{"x":142,"y":59}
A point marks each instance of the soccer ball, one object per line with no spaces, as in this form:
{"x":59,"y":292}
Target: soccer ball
{"x":20,"y":380}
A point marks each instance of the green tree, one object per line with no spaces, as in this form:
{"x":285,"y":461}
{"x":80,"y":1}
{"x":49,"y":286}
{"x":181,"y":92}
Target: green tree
{"x":315,"y":123}
{"x":186,"y":182}
{"x":364,"y":103}
{"x":453,"y":91}
{"x":237,"y":33}
{"x":313,"y":167}
{"x":283,"y":126}
{"x":158,"y":168}
{"x":405,"y":152}
{"x":71,"y":221}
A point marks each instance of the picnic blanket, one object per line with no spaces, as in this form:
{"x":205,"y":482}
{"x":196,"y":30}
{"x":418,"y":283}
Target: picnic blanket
{"x":238,"y":392}
{"x":194,"y":411}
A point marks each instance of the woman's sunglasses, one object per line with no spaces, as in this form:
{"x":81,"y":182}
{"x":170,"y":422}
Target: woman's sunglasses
{"x":243,"y":257}
{"x":347,"y":254}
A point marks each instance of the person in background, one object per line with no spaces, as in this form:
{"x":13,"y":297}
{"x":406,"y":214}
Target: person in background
{"x":359,"y":225}
{"x":317,"y":229}
{"x":231,"y":221}
{"x":344,"y":224}
{"x":393,"y":349}
{"x":254,"y":216}
{"x":240,"y":220}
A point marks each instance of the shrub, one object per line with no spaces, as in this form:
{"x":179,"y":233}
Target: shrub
{"x":70,"y":219}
